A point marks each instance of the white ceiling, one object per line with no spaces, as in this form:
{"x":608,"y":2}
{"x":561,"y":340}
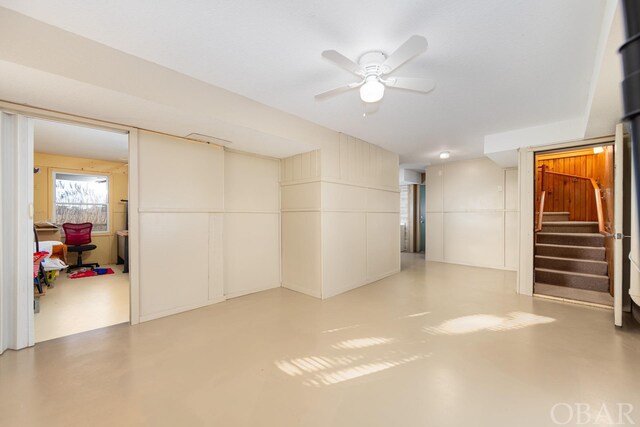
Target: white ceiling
{"x":79,"y":141}
{"x":499,"y":64}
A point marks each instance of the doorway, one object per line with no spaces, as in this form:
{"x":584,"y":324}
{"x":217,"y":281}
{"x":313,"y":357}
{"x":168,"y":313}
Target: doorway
{"x":412,"y":218}
{"x":80,"y":215}
{"x":575,"y":224}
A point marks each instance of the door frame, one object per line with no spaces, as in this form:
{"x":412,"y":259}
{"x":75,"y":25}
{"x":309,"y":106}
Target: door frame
{"x":526,"y":195}
{"x":27,"y":331}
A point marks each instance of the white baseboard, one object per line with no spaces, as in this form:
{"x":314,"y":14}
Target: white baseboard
{"x":359,"y":285}
{"x":492,"y":267}
{"x":251,"y":291}
{"x":179,"y":310}
{"x":301,"y":290}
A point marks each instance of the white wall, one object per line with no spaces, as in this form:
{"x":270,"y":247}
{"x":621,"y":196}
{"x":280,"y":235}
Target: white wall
{"x":472,"y":214}
{"x":301,"y":223}
{"x":251,"y":224}
{"x":209,"y":224}
{"x":340,"y":217}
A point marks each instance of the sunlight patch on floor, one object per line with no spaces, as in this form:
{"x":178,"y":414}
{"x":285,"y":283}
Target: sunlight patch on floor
{"x":362,"y":342}
{"x":321,"y":371}
{"x":329,"y":331}
{"x":424,"y":313}
{"x":335,"y":377}
{"x":487,"y":322}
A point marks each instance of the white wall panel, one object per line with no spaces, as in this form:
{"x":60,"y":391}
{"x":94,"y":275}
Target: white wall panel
{"x":362,"y":163}
{"x":216,"y":257}
{"x":383,"y":201}
{"x":339,"y":197}
{"x":174,"y":262}
{"x":344,"y":251}
{"x":251,"y":252}
{"x":178,"y":175}
{"x":251,"y":183}
{"x":511,"y":189}
{"x":434,"y":183}
{"x":354,"y":177}
{"x":434,"y":235}
{"x":383,"y":245}
{"x":301,"y":254}
{"x":511,"y":247}
{"x":301,"y":166}
{"x":475,"y":238}
{"x":301,"y":196}
{"x":330,"y":160}
{"x":473,"y":185}
{"x":472,"y":213}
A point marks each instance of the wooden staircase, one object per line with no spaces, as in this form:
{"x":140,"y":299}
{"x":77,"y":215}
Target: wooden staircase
{"x":570,"y":260}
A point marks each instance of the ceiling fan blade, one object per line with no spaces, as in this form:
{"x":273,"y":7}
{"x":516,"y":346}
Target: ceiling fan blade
{"x":412,"y":83}
{"x":412,"y":47}
{"x":342,"y":61}
{"x":338,"y":90}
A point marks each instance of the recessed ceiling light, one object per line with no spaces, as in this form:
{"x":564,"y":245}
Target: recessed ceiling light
{"x":444,"y":155}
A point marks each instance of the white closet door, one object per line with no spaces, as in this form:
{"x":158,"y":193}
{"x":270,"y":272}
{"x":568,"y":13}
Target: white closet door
{"x":16,"y":232}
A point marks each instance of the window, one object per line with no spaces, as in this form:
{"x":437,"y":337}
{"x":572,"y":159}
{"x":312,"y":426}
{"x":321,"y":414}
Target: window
{"x":81,"y":198}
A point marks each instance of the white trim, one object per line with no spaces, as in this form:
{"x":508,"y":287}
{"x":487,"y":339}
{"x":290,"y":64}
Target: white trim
{"x":2,"y":240}
{"x":134,"y":228}
{"x":16,"y":278}
{"x":395,"y":189}
{"x":618,"y":212}
{"x":134,"y":236}
{"x":266,"y":212}
{"x":176,"y":210}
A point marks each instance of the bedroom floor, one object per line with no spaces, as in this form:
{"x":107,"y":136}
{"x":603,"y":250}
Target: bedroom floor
{"x":84,"y":304}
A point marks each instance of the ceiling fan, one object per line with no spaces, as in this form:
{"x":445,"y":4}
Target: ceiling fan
{"x":373,"y":68}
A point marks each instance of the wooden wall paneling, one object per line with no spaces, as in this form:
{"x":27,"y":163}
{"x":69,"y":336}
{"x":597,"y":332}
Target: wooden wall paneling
{"x":565,"y":194}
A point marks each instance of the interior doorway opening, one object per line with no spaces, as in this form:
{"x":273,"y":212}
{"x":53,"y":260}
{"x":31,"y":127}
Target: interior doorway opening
{"x":412,"y":218}
{"x":575,"y":224}
{"x":80,"y":215}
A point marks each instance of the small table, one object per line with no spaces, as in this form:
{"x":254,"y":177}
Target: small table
{"x":123,"y":240}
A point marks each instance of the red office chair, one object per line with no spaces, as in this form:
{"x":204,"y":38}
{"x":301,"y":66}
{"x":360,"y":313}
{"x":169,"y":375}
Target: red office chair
{"x":77,"y":237}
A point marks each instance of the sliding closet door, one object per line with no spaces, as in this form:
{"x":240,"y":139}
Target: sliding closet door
{"x":16,"y":232}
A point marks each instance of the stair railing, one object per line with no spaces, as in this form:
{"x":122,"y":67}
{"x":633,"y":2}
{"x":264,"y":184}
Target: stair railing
{"x":596,"y":189}
{"x":541,"y":211}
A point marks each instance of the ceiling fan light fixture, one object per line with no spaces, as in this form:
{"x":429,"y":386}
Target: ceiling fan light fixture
{"x":372,"y":90}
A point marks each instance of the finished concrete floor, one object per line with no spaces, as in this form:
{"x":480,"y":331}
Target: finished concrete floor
{"x":435,"y":345}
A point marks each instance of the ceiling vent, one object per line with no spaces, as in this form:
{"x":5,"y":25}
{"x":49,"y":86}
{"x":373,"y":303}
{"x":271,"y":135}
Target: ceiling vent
{"x":208,"y":139}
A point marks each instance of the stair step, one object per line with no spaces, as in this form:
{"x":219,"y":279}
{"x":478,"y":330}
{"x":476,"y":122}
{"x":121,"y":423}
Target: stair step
{"x":571,"y":265}
{"x":593,"y":282}
{"x":555,"y":216}
{"x":569,"y":251}
{"x":570,"y":227}
{"x":573,"y":239}
{"x":576,"y":294}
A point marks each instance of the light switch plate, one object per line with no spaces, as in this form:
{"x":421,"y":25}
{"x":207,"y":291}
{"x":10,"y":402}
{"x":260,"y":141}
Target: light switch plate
{"x":499,"y":188}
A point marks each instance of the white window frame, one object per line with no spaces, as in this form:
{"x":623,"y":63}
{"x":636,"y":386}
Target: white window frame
{"x":108,"y":204}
